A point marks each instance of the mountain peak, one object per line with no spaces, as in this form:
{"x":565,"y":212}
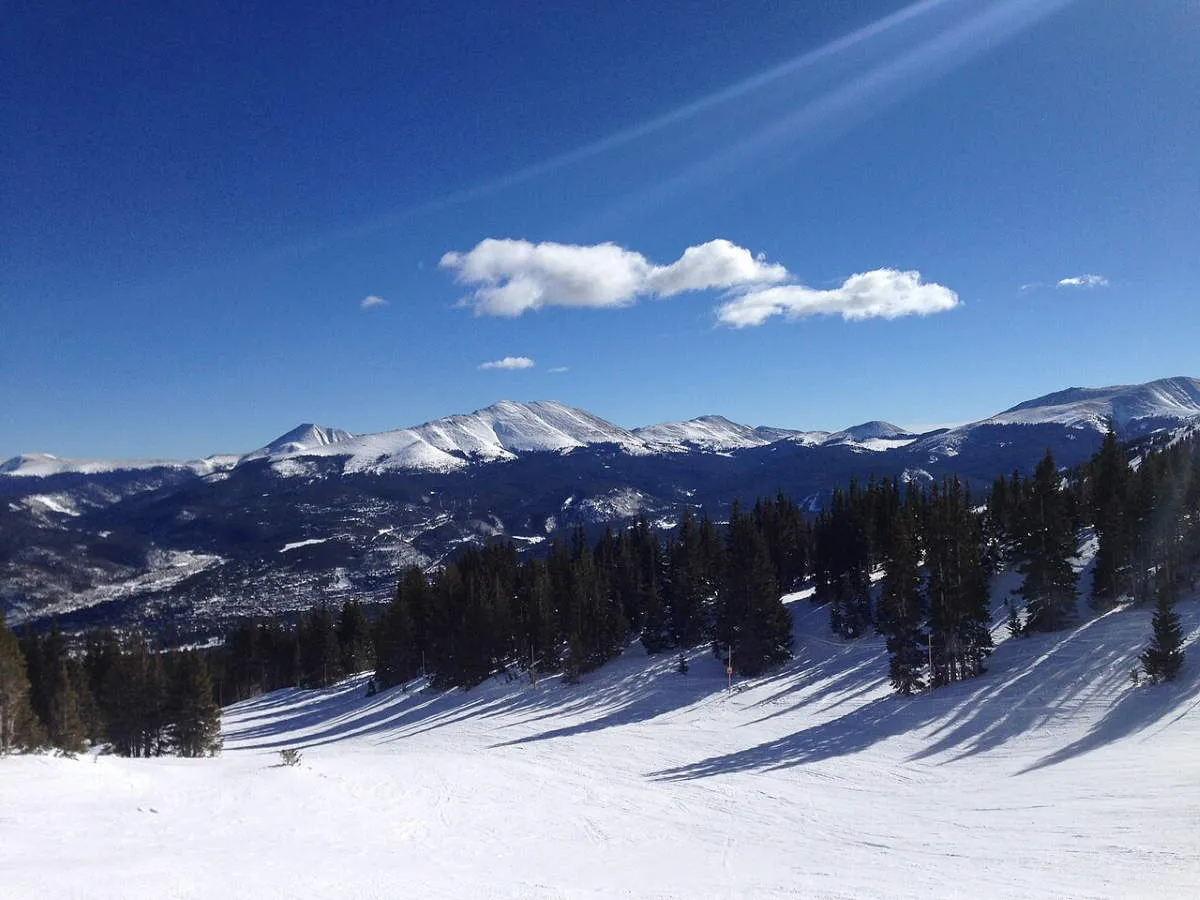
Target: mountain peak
{"x":1131,"y":408}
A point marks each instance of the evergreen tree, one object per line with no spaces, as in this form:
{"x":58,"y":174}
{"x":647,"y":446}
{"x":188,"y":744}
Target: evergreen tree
{"x":320,"y":651}
{"x":901,"y":610}
{"x":687,"y":588}
{"x":354,"y":638}
{"x":1110,"y":487}
{"x":1163,"y":658}
{"x":397,"y":657}
{"x":18,"y":729}
{"x":752,"y":621}
{"x":959,"y":615}
{"x":66,"y":727}
{"x":196,"y":726}
{"x":1049,"y":588}
{"x":135,"y":700}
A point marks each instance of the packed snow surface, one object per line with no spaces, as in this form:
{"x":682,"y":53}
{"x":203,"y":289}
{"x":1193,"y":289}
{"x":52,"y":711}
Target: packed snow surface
{"x":1051,"y":776}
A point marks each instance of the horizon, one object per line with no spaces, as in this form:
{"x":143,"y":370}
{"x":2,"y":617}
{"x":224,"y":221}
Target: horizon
{"x":919,"y":429}
{"x":916,"y":212}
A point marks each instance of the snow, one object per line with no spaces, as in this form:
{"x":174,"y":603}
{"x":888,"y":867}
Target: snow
{"x":704,"y":433}
{"x":43,"y":465}
{"x":164,"y":570}
{"x":300,"y":438}
{"x":507,"y":429}
{"x":1168,"y":398}
{"x":496,"y":433}
{"x":1051,"y":776}
{"x":296,"y":544}
{"x":63,"y":504}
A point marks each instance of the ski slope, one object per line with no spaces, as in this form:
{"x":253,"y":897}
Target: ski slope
{"x":1051,"y":776}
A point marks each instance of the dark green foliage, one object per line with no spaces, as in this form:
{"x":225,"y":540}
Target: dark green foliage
{"x":320,"y":650}
{"x":1110,"y":481}
{"x":354,"y":639}
{"x":842,"y":561}
{"x":957,"y":587}
{"x":902,"y":608}
{"x":751,"y":620}
{"x":1047,"y":547}
{"x":398,"y":657}
{"x":195,"y":717}
{"x":1016,"y":628}
{"x":1163,"y":658}
{"x":135,"y":698}
{"x":691,"y":585}
{"x":18,"y":725}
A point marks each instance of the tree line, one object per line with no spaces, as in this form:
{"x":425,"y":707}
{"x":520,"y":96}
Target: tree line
{"x":104,"y":690}
{"x":912,"y":563}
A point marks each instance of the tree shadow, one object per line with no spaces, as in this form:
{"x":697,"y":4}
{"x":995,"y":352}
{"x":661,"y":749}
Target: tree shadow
{"x":874,"y":721}
{"x":1139,"y":709}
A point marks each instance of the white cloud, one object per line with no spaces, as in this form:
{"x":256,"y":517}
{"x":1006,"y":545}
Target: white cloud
{"x":882,"y":293}
{"x":511,"y":277}
{"x":1089,"y":281}
{"x":371,"y":301}
{"x":509,"y":362}
{"x":558,"y":370}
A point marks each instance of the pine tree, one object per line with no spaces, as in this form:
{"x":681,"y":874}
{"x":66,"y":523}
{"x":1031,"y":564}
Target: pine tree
{"x":687,"y":588}
{"x":1110,"y":490}
{"x":901,"y":610}
{"x":196,"y":726}
{"x":354,"y":638}
{"x":1049,"y":587}
{"x":135,"y":700}
{"x":320,"y":652}
{"x":17,"y":722}
{"x":960,"y":639}
{"x":1163,"y":658}
{"x":751,"y":618}
{"x":66,"y":726}
{"x":397,"y":658}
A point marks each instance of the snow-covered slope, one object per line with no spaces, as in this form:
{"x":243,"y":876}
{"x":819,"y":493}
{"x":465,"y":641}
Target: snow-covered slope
{"x":498,"y":432}
{"x":1051,"y":776}
{"x":1134,"y":411}
{"x":707,"y":433}
{"x":1127,"y":406}
{"x":506,"y":430}
{"x":301,"y":438}
{"x":43,"y":465}
{"x":875,"y":436}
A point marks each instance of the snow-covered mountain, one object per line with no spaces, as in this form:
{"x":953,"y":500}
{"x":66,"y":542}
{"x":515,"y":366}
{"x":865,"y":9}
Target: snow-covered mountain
{"x":499,"y":432}
{"x":299,"y":439}
{"x":319,"y":510}
{"x":1133,"y":410}
{"x":43,"y":465}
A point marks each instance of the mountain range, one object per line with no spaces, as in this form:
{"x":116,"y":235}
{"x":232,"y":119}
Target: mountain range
{"x":321,"y":512}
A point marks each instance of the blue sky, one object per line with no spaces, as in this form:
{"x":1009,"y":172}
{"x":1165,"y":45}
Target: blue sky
{"x":198,"y":201}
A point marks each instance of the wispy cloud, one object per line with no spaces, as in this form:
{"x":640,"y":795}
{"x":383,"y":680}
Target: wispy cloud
{"x":881,"y":294}
{"x":371,"y":301}
{"x":1087,"y":281}
{"x":558,"y":370}
{"x":509,"y":362}
{"x":512,"y":277}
